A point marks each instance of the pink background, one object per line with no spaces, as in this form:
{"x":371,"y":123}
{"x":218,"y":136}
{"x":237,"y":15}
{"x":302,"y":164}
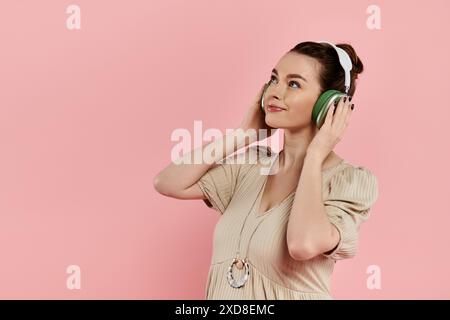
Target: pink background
{"x":86,"y":117}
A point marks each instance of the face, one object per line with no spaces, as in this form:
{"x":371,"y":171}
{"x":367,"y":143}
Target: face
{"x":295,"y":95}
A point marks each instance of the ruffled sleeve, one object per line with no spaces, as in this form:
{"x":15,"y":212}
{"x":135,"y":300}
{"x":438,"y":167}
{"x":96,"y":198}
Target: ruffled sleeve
{"x":352,"y":193}
{"x":219,"y":184}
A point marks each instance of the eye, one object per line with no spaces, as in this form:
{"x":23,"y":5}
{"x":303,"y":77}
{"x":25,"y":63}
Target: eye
{"x":273,"y":77}
{"x":295,"y":83}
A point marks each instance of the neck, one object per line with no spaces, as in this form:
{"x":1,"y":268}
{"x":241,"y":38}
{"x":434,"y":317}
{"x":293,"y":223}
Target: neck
{"x":295,"y":145}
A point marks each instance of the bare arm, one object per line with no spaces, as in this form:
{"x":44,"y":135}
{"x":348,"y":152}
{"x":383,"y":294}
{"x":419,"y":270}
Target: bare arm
{"x":309,"y":231}
{"x":179,"y":180}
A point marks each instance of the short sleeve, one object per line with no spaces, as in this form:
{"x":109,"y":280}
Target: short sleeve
{"x":219,"y":184}
{"x":353,"y":191}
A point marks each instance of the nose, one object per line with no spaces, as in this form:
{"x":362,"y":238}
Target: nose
{"x":274,"y":91}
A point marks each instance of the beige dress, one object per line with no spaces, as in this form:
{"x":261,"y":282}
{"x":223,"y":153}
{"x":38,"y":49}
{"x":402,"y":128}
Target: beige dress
{"x":235,"y":189}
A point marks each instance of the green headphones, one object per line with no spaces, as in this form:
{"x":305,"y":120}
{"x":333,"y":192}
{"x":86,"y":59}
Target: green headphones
{"x":329,"y":97}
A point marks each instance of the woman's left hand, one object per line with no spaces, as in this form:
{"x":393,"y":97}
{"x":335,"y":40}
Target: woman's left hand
{"x":331,"y":132}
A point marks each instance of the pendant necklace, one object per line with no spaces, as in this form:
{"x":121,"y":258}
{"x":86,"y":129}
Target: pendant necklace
{"x":243,"y":263}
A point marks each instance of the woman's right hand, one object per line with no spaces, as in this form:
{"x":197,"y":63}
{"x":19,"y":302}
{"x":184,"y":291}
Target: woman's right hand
{"x":255,"y":117}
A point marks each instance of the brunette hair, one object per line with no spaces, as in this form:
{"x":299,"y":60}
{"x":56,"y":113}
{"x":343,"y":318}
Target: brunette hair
{"x":331,"y":74}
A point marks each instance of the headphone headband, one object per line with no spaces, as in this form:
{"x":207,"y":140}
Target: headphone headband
{"x":346,"y":63}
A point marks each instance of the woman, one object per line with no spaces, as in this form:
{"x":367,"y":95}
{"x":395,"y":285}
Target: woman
{"x":279,"y":235}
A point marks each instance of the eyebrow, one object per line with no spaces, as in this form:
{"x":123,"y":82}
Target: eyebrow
{"x":291,"y":75}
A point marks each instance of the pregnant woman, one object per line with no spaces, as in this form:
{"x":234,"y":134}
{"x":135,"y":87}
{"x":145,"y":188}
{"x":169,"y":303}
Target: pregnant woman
{"x":280,"y":234}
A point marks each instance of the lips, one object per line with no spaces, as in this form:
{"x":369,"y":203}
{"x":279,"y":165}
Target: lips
{"x":274,"y":108}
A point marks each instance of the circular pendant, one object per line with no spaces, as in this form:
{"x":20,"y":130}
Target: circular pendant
{"x":237,"y":283}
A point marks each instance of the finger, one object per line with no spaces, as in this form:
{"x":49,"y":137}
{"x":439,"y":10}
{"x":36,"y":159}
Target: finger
{"x":329,"y":116}
{"x":347,"y":116}
{"x":342,"y":115}
{"x":338,"y":111}
{"x":348,"y":113}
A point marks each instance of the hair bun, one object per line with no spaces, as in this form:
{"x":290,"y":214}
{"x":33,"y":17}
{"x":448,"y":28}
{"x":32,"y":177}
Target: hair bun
{"x":358,"y":66}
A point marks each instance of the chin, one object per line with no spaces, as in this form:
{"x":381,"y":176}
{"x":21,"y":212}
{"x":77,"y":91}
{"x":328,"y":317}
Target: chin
{"x":272,"y":125}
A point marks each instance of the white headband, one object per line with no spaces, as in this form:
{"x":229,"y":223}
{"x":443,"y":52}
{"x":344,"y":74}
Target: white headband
{"x":345,"y":62}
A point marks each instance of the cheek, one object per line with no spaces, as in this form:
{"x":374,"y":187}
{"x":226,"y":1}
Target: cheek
{"x":302,"y":104}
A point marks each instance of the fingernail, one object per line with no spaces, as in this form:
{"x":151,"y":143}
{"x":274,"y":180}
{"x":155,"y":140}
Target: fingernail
{"x":345,"y":98}
{"x":352,"y":106}
{"x":350,"y":99}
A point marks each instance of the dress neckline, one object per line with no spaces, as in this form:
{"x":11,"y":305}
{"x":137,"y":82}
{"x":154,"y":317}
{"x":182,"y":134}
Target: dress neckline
{"x":262,"y":189}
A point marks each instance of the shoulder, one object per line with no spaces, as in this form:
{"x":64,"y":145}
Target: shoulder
{"x":250,"y":155}
{"x":357,"y":173}
{"x":248,"y":160}
{"x":356,"y":181}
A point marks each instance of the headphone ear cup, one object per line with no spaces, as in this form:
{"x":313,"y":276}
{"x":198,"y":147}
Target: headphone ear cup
{"x":262,"y":97}
{"x":322,"y":105}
